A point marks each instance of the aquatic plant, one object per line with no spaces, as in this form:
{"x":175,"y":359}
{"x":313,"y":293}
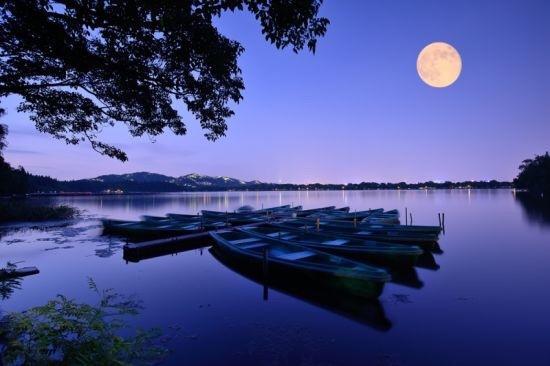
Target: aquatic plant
{"x":20,"y":210}
{"x":66,"y":332}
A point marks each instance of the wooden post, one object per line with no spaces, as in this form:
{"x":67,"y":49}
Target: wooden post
{"x":265,"y":263}
{"x":439,"y":218}
{"x":406,"y":217}
{"x":443,"y":220}
{"x":265,"y":268}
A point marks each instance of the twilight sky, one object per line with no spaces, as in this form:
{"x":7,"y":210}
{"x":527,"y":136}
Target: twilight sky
{"x":356,"y":110}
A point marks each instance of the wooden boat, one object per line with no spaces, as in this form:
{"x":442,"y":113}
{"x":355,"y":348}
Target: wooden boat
{"x":385,"y":253}
{"x":150,"y":229}
{"x":13,"y":272}
{"x":303,"y":213}
{"x":264,"y":211}
{"x":348,"y":216}
{"x":422,"y":241}
{"x":434,"y":230}
{"x":425,"y":232}
{"x":282,"y":258}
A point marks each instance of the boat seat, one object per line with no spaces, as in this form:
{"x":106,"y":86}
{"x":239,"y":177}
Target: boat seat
{"x":288,"y":237}
{"x":255,"y":245}
{"x":242,"y":241}
{"x":163,"y":226}
{"x":295,"y":255}
{"x":336,"y":242}
{"x":364,"y":233}
{"x":191,"y":227}
{"x":278,"y":233}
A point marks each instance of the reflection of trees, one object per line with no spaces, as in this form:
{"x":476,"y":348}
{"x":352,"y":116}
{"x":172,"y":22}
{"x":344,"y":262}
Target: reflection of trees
{"x":8,"y":286}
{"x":536,"y":209}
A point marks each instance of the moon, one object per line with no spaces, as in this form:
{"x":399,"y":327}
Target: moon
{"x":439,"y":64}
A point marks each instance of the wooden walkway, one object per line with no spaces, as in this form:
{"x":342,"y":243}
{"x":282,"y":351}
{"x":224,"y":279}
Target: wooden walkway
{"x":134,"y":252}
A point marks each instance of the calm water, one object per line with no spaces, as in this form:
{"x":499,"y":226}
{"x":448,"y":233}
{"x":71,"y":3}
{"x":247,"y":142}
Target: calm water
{"x":487,"y":303}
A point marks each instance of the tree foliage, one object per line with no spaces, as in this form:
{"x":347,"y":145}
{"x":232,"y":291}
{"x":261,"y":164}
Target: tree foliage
{"x":81,"y":65}
{"x":534,"y":175}
{"x":64,"y":332}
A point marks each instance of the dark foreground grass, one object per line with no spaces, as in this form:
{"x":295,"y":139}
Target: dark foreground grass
{"x":20,"y":210}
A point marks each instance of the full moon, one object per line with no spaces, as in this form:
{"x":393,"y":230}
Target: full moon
{"x":439,"y":64}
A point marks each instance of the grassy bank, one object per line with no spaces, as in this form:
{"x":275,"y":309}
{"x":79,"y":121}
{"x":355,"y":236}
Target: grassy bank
{"x":21,"y":210}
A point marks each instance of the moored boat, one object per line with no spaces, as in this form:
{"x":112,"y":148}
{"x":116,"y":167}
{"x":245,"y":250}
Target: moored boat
{"x":385,"y":253}
{"x":283,"y":258}
{"x":424,"y":241}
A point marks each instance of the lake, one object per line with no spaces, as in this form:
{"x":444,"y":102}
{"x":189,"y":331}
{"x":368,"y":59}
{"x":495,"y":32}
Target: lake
{"x":485,"y":300}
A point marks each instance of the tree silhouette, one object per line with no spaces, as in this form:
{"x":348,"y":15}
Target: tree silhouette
{"x":81,"y":65}
{"x":534,"y":175}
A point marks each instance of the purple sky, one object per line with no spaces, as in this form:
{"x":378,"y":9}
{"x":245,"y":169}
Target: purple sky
{"x":357,"y":110}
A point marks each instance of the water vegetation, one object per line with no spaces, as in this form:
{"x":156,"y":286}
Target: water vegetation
{"x":12,"y":210}
{"x":66,"y":332}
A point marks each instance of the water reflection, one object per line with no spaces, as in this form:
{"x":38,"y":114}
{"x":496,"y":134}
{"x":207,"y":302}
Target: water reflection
{"x":368,"y":312}
{"x":8,"y":287}
{"x":536,"y":209}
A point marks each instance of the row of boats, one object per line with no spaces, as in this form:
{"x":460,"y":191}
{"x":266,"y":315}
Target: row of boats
{"x":356,"y":252}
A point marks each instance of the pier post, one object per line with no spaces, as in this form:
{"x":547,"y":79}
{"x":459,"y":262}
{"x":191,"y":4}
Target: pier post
{"x":265,"y":270}
{"x":439,"y":218}
{"x":406,"y":217}
{"x":443,"y":220}
{"x":265,"y":263}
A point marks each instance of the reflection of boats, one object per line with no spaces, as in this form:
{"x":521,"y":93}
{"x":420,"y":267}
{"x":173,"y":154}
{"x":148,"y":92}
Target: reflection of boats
{"x":427,"y":261}
{"x":365,"y":311}
{"x":283,"y":258}
{"x":395,"y":255}
{"x":13,"y":272}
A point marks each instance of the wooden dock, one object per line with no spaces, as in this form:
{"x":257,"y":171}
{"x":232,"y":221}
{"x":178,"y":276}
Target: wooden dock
{"x":134,"y":252}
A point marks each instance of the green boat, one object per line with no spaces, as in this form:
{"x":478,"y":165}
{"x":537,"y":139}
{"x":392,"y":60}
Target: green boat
{"x":384,"y":253}
{"x":278,"y":258}
{"x":149,"y":229}
{"x":264,"y":212}
{"x":426,"y":232}
{"x":427,"y":242}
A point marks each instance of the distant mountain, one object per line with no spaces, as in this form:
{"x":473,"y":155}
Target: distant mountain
{"x":142,"y":182}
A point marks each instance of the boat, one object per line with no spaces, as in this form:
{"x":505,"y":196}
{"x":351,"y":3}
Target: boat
{"x":384,"y":253}
{"x":427,"y":232}
{"x":303,"y":213}
{"x":13,"y":272}
{"x":427,"y":242}
{"x":150,"y":229}
{"x":347,"y":216}
{"x":279,"y":258}
{"x":263,"y":211}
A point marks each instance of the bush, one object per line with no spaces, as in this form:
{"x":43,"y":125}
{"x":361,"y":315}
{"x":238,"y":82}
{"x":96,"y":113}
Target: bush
{"x":69,"y":333}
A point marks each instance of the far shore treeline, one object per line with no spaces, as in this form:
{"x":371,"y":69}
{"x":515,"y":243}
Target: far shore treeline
{"x":148,"y":183}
